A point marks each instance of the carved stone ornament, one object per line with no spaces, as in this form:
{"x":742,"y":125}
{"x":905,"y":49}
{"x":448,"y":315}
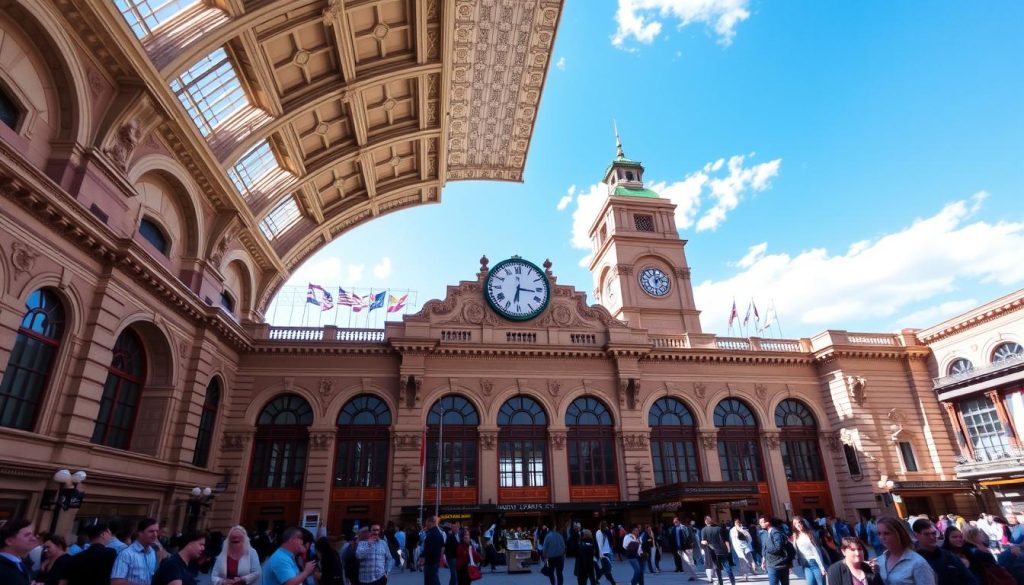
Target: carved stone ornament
{"x":834,"y":440}
{"x":700,"y":390}
{"x":234,"y":441}
{"x":486,"y":386}
{"x":554,"y":387}
{"x":325,"y":389}
{"x":856,"y":387}
{"x":897,"y":416}
{"x":128,"y":137}
{"x":488,"y":439}
{"x":473,"y":313}
{"x":407,"y":441}
{"x":320,"y":441}
{"x":771,"y":439}
{"x":848,"y":437}
{"x":634,"y":441}
{"x":557,"y":439}
{"x":761,"y":390}
{"x":23,"y":258}
{"x":709,"y":439}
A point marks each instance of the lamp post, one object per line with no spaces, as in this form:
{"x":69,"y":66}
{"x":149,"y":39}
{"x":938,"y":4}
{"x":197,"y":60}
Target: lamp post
{"x":199,"y":499}
{"x":68,"y":495}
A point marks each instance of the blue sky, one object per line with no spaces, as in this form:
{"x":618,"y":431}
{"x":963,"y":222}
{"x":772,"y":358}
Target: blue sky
{"x":871,"y":174}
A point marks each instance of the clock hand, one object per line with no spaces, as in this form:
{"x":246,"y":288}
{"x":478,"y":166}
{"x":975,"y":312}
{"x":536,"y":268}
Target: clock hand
{"x":516,"y":299}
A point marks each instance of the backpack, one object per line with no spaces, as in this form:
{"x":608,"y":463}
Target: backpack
{"x":789,"y":550}
{"x":686,"y":537}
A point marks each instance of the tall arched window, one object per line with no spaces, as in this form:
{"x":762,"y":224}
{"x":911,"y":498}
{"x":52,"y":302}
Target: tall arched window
{"x":28,"y":369}
{"x":738,"y":451}
{"x":984,"y":429}
{"x":801,"y":456}
{"x":204,"y":438}
{"x":361,"y":457}
{"x":460,"y":437}
{"x":282,"y":443}
{"x":122,"y":391}
{"x":673,"y":442}
{"x":152,"y":233}
{"x":591,"y":443}
{"x":522,"y":443}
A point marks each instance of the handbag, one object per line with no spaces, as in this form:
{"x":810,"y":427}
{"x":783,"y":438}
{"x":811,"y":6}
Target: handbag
{"x":546,"y":570}
{"x":473,"y":569}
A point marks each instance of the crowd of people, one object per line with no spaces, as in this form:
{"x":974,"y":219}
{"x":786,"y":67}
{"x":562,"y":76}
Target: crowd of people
{"x":948,"y":550}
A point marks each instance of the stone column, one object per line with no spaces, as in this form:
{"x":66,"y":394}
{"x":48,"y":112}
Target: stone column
{"x":406,"y":473}
{"x":316,"y":488}
{"x":559,"y":468}
{"x":709,"y":448}
{"x":636,"y":451}
{"x":488,"y":480}
{"x":774,"y":470}
{"x":235,"y":446}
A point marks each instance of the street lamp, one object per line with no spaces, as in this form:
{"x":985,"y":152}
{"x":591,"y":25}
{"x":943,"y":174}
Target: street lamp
{"x":200,"y":498}
{"x":68,"y":495}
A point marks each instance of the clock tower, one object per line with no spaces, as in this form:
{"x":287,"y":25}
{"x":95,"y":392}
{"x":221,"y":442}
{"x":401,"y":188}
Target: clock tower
{"x":639,"y":266}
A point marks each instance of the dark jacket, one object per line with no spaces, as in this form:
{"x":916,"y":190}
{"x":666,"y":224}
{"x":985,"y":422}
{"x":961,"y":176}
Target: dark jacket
{"x":12,"y":574}
{"x":839,"y":574}
{"x":585,"y":558}
{"x":948,"y":567}
{"x":717,"y":538}
{"x":433,"y":546}
{"x":773,"y":547}
{"x":92,"y":565}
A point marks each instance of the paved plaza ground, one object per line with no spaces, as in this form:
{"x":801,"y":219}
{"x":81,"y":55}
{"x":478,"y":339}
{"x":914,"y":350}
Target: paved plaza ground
{"x":620,"y":570}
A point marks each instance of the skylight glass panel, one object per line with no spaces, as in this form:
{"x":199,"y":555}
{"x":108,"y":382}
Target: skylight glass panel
{"x":144,"y":16}
{"x":280,"y":218}
{"x":253,"y":166}
{"x":210,"y":91}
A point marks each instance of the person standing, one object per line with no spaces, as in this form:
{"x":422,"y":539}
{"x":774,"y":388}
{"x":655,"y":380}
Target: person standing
{"x":137,"y":564}
{"x":740,"y":539}
{"x":634,"y":553}
{"x":853,"y":569}
{"x":94,"y":564}
{"x":17,"y":539}
{"x":647,"y":544}
{"x":553,"y":549}
{"x":586,"y":556}
{"x":451,"y":544}
{"x":177,"y":569}
{"x":121,"y":529}
{"x":375,"y":558}
{"x":717,"y":551}
{"x":899,"y":564}
{"x":238,"y":563}
{"x":465,"y":555}
{"x":281,"y":567}
{"x":809,"y":552}
{"x":433,"y":549}
{"x":604,"y":554}
{"x":775,"y":557}
{"x":949,"y":569}
{"x":53,"y":568}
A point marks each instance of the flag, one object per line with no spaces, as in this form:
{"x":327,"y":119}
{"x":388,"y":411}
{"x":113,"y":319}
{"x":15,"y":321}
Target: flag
{"x":396,"y":305}
{"x":757,"y":316}
{"x":378,"y":300}
{"x":733,"y":315}
{"x":316,"y":295}
{"x":349,"y":300}
{"x":359,"y":303}
{"x":769,"y":315}
{"x":746,"y":318}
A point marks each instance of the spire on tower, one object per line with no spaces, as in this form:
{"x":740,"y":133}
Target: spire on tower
{"x":618,"y":142}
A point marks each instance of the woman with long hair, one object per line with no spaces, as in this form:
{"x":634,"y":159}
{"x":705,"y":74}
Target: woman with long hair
{"x":983,"y":563}
{"x":953,"y":541}
{"x":329,"y":562}
{"x":899,"y":564}
{"x":238,"y":563}
{"x":808,"y":552}
{"x":853,"y":569}
{"x":55,"y":560}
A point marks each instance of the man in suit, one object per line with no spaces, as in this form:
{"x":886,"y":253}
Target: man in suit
{"x":93,"y":565}
{"x":433,"y":548}
{"x":680,"y":542}
{"x":17,"y":539}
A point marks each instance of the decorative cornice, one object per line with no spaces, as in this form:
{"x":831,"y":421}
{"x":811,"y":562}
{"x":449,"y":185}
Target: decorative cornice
{"x":1009,"y":304}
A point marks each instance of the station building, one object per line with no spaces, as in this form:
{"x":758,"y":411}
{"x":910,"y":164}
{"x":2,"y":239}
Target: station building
{"x":158,"y":186}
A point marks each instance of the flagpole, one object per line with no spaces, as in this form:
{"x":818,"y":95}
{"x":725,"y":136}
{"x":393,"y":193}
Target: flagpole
{"x":440,"y":459}
{"x":423,"y":469}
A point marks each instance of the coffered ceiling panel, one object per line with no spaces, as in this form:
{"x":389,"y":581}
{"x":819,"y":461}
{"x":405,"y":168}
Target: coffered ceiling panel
{"x":382,"y":32}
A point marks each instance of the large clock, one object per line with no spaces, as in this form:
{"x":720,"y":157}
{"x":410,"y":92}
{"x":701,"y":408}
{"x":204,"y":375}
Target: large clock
{"x":517,"y":290}
{"x":654,"y":282}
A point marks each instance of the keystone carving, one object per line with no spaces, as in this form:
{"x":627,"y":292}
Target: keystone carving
{"x":407,"y":441}
{"x":856,"y":387}
{"x":771,"y":439}
{"x":486,"y":386}
{"x":325,"y":389}
{"x":709,"y":439}
{"x":409,"y":391}
{"x":700,"y":390}
{"x":320,"y":441}
{"x":557,"y":439}
{"x":554,"y":387}
{"x":234,"y":442}
{"x":634,"y":441}
{"x":128,"y":137}
{"x":23,"y":258}
{"x":761,"y":390}
{"x":835,"y":440}
{"x":488,"y":439}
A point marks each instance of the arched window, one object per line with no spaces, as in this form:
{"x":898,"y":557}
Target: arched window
{"x":801,"y":456}
{"x":1006,"y":351}
{"x":460,"y":437}
{"x":673,"y":442}
{"x":9,"y":110}
{"x":121,"y":392}
{"x":738,"y":451}
{"x":28,"y":369}
{"x":204,"y":439}
{"x":591,"y":443}
{"x":984,"y":429}
{"x":522,"y":443}
{"x":960,"y":366}
{"x":282,"y":443}
{"x":361,"y":456}
{"x":152,"y":233}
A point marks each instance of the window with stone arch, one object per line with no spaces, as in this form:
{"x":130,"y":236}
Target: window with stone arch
{"x":361,"y":452}
{"x":122,"y":391}
{"x":458,"y":439}
{"x":522,"y":443}
{"x":10,"y":112}
{"x":959,"y":367}
{"x":984,"y":430}
{"x":207,"y":420}
{"x":738,"y":451}
{"x":36,"y":346}
{"x":673,"y":442}
{"x":1008,"y":350}
{"x":590,"y":443}
{"x":154,"y":234}
{"x":801,"y":454}
{"x":282,"y":443}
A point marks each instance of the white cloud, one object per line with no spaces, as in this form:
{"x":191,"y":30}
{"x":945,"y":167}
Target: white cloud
{"x":726,"y":191}
{"x":566,"y":199}
{"x":560,"y":63}
{"x":879,"y":278}
{"x":355,"y":273}
{"x":318,"y":271}
{"x":935,"y":313}
{"x":382,"y":269}
{"x":642,"y":19}
{"x":755,"y":253}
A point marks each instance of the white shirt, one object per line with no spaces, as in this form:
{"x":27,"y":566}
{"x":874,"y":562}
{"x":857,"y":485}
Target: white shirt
{"x":740,"y":546}
{"x":810,"y":550}
{"x":602,"y":543}
{"x":630,"y":539}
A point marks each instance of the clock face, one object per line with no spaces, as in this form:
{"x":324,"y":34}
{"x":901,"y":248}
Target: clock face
{"x":517,"y":289}
{"x":654,"y":282}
